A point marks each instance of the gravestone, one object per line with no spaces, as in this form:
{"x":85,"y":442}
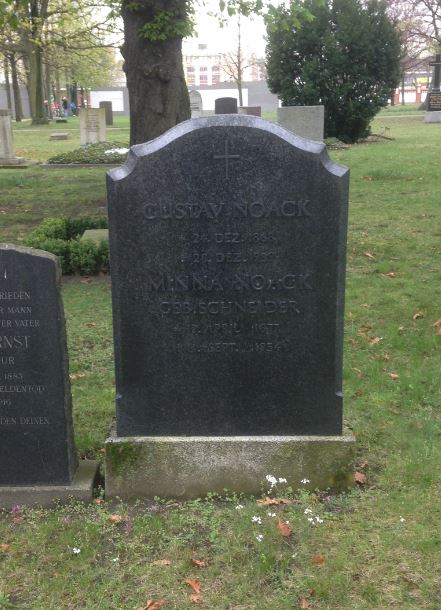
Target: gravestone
{"x":195,"y":104}
{"x":305,"y":121}
{"x":92,"y":125}
{"x":251,"y":110}
{"x":109,"y":111}
{"x":7,"y":156}
{"x":227,"y":244}
{"x":37,"y":452}
{"x":225,"y":105}
{"x":61,"y":135}
{"x":433,"y":112}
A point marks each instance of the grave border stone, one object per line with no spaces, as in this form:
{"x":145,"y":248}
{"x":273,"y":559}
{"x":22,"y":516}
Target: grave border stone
{"x":80,"y":475}
{"x":190,"y":466}
{"x":10,"y":161}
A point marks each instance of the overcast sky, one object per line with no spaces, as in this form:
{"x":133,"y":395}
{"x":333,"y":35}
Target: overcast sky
{"x":225,"y":39}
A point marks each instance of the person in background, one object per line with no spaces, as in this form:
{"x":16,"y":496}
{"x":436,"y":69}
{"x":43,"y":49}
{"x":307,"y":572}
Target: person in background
{"x":65,"y":105}
{"x":73,"y":108}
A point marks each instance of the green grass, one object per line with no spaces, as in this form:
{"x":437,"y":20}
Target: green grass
{"x":381,"y":543}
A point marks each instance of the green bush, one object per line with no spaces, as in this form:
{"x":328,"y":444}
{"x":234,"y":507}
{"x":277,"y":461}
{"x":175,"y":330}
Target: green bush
{"x":62,"y":237}
{"x":92,"y":153}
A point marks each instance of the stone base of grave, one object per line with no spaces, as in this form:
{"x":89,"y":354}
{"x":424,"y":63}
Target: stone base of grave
{"x":189,"y":467}
{"x":12,"y":161}
{"x":433,"y":116}
{"x":81,"y":489}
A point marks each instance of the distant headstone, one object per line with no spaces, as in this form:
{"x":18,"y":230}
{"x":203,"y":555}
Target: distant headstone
{"x":251,"y":110}
{"x":304,"y":121}
{"x":37,"y":451}
{"x":61,"y":119}
{"x":228,"y":292}
{"x":109,"y":111}
{"x":225,"y":105}
{"x":92,"y":125}
{"x":195,"y":104}
{"x":7,"y":156}
{"x":59,"y":136}
{"x":433,"y":111}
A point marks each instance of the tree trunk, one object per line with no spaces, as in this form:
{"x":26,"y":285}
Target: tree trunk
{"x":155,"y":76}
{"x":47,"y":89}
{"x":402,"y":90}
{"x":16,"y":89}
{"x":7,"y":83}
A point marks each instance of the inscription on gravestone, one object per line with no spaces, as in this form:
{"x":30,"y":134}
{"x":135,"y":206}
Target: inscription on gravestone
{"x":36,"y":438}
{"x":227,"y":240}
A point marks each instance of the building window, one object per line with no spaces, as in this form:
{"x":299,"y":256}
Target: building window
{"x":203,"y":69}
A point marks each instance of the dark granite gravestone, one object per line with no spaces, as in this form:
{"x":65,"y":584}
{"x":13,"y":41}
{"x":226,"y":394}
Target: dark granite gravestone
{"x":227,"y":241}
{"x":36,"y":437}
{"x":225,"y":105}
{"x":109,"y":112}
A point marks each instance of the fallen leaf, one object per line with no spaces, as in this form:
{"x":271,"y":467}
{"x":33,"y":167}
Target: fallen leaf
{"x":194,"y":584}
{"x":418,"y":315}
{"x":200,"y":563}
{"x":102,"y":450}
{"x":284,"y":528}
{"x":437,"y":324}
{"x":318,"y":560}
{"x":368,"y":254}
{"x":161,"y":562}
{"x":99,"y":501}
{"x":90,"y":324}
{"x":391,"y":274}
{"x":374,"y":340}
{"x":74,"y":376}
{"x":418,"y":425}
{"x":394,"y":376}
{"x":153,"y":604}
{"x":362,"y":465}
{"x":197,"y":599}
{"x":4,"y":547}
{"x":18,"y":520}
{"x":274,"y":501}
{"x":115,"y":518}
{"x":304,"y":603}
{"x":386,"y":357}
{"x":360,"y":478}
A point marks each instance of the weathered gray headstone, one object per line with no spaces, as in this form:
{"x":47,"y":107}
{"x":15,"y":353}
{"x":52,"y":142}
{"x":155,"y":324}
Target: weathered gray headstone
{"x":92,"y":125}
{"x":109,"y":111}
{"x":251,"y":110}
{"x":305,"y":121}
{"x":227,"y":243}
{"x":37,"y":451}
{"x":7,"y":156}
{"x":225,"y":105}
{"x":195,"y":104}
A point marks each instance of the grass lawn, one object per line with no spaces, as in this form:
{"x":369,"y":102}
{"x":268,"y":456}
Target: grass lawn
{"x":377,"y":547}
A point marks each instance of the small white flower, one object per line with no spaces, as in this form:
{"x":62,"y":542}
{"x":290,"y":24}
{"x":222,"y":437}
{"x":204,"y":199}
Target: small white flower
{"x":307,"y":511}
{"x":272,"y":515}
{"x":305,"y":481}
{"x":311,"y":520}
{"x":271,"y":479}
{"x":239,"y":507}
{"x":115,"y":559}
{"x":76,"y":551}
{"x":402,"y":519}
{"x":319,"y":520}
{"x":259,"y":537}
{"x":256,"y":519}
{"x":282,"y":480}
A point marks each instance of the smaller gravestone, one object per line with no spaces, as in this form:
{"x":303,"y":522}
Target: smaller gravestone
{"x":38,"y":461}
{"x":251,"y":110}
{"x":109,"y":112}
{"x":59,"y":136}
{"x":7,"y":156}
{"x":195,"y":104}
{"x":225,"y":105}
{"x":433,"y":112}
{"x":304,"y":121}
{"x":92,"y":125}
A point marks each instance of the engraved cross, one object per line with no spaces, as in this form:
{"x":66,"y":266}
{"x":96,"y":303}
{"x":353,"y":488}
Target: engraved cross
{"x":227,"y":158}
